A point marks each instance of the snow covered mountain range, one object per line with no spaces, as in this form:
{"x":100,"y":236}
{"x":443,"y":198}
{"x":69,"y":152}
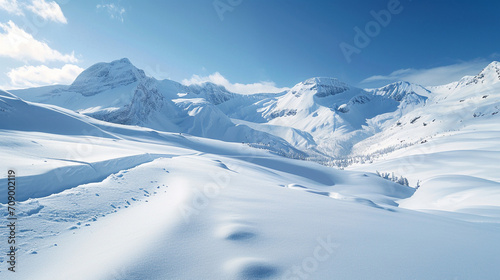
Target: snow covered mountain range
{"x":122,"y":176}
{"x":322,"y":119}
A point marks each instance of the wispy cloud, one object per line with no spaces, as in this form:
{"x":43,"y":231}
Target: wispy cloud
{"x":114,"y":10}
{"x":431,"y":76}
{"x":217,"y":78}
{"x":18,"y":44}
{"x":11,"y":6}
{"x":495,"y":55}
{"x":35,"y":76}
{"x":47,"y":10}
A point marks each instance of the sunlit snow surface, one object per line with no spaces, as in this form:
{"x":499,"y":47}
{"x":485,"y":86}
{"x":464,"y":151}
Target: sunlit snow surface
{"x":98,"y":200}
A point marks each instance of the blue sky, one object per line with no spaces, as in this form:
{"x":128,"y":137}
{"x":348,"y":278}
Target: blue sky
{"x":249,"y":45}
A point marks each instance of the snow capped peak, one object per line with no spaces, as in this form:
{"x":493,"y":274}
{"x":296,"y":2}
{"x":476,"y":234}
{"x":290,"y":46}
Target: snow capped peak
{"x":103,"y":76}
{"x":494,"y":64}
{"x":492,"y":69}
{"x":324,"y":81}
{"x":208,"y":86}
{"x":322,"y":86}
{"x":321,"y":80}
{"x":399,"y":90}
{"x":487,"y":77}
{"x":214,"y":93}
{"x":490,"y":73}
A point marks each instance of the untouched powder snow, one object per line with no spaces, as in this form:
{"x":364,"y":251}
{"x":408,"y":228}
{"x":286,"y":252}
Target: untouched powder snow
{"x":238,"y":220}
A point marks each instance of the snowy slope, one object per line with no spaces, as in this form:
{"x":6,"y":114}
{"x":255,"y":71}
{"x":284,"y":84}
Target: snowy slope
{"x":450,"y":108}
{"x":450,"y":145}
{"x":170,"y":206}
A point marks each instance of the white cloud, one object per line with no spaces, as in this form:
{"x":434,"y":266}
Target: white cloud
{"x":47,"y":10}
{"x":114,"y":11}
{"x":18,"y":44}
{"x":217,"y":78}
{"x":35,"y":76}
{"x":11,"y":6}
{"x":432,"y":76}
